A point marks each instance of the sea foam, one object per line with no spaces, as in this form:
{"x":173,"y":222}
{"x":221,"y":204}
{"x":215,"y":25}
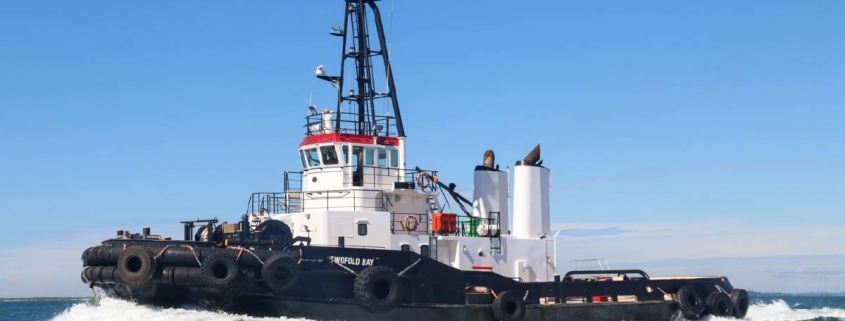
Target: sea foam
{"x":117,"y":310}
{"x":779,"y":310}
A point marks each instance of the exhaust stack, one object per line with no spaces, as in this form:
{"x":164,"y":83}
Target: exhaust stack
{"x":490,"y":197}
{"x":531,"y":197}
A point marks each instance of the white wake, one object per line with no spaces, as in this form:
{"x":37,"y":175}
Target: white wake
{"x":118,"y":310}
{"x":779,"y":310}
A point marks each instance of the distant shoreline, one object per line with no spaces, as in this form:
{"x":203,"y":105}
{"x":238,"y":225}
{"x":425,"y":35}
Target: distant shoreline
{"x":75,"y":298}
{"x":805,"y":294}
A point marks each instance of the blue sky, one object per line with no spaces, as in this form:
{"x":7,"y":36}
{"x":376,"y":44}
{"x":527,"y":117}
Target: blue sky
{"x":685,"y":132}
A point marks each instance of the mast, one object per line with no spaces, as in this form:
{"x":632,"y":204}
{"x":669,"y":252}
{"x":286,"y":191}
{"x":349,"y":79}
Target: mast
{"x":355,"y":33}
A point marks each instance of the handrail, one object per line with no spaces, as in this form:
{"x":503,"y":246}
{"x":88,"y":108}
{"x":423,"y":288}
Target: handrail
{"x":618,"y":272}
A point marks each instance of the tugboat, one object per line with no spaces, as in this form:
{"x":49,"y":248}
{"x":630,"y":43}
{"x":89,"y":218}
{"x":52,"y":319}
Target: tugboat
{"x":357,"y":235}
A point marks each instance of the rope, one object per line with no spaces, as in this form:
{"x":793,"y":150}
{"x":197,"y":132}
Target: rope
{"x":85,"y":277}
{"x":160,"y":253}
{"x":525,"y":297}
{"x":195,"y":254}
{"x":94,"y":294}
{"x":344,"y":267}
{"x":410,"y":267}
{"x":241,"y":250}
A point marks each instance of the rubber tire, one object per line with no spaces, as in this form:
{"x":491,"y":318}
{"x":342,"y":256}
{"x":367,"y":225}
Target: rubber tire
{"x":377,"y":289}
{"x":719,"y":304}
{"x":220,"y":270}
{"x":276,"y":231}
{"x":272,"y":268}
{"x":92,"y":256}
{"x":508,"y":306}
{"x":85,"y":257}
{"x":136,"y":265}
{"x":691,"y":302}
{"x":740,"y":300}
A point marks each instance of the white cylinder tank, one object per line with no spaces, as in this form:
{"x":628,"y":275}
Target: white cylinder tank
{"x":490,"y":196}
{"x":531,"y":201}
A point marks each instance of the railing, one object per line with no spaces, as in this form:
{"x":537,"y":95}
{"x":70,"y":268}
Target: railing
{"x":340,"y":200}
{"x":410,"y":223}
{"x":374,"y":125}
{"x":589,"y":265}
{"x":370,"y":176}
{"x":421,"y":178}
{"x":469,"y":227}
{"x":263,"y":203}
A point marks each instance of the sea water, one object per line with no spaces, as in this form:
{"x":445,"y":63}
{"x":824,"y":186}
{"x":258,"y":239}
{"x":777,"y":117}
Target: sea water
{"x":763,"y":308}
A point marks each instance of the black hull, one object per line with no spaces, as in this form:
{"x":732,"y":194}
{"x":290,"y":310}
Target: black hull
{"x":430,"y":290}
{"x":348,"y":310}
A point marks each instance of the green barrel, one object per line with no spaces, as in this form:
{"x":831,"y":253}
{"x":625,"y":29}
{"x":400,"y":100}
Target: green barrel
{"x":473,"y":226}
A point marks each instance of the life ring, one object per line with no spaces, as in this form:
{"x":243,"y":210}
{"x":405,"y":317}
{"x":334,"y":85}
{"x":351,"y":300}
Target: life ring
{"x":219,"y":270}
{"x":739,"y":298}
{"x":411,"y":223}
{"x":280,"y":272}
{"x":136,"y":265}
{"x":719,"y":304}
{"x":423,"y":180}
{"x":377,"y":289}
{"x":508,"y":306}
{"x":692,"y":305}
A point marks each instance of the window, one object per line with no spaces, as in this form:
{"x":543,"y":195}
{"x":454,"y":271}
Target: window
{"x":406,"y":247}
{"x":313,"y":157}
{"x":424,"y":250}
{"x":329,"y":155}
{"x":304,"y":159}
{"x":362,"y":229}
{"x":371,"y":157}
{"x":382,"y":157}
{"x":394,"y":157}
{"x":357,"y":156}
{"x":345,"y":150}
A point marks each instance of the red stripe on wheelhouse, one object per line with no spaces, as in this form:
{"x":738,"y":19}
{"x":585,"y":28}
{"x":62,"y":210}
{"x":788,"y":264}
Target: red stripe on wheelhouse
{"x":349,"y":138}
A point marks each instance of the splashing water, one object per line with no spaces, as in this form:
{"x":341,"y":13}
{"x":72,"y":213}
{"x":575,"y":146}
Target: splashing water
{"x":779,"y":310}
{"x":118,"y":310}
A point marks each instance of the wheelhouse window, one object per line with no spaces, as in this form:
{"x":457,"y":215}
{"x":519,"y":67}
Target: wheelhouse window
{"x":345,"y":152}
{"x":304,"y":158}
{"x":329,"y":155}
{"x":382,"y":157}
{"x":312,"y":156}
{"x":370,"y":159}
{"x":394,"y":157}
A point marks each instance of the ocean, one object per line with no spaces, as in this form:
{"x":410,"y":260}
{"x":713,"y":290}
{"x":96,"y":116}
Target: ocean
{"x":764,"y":308}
